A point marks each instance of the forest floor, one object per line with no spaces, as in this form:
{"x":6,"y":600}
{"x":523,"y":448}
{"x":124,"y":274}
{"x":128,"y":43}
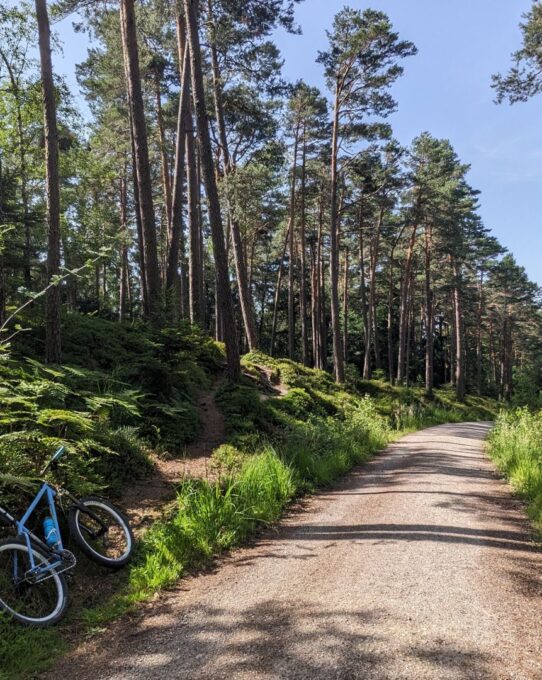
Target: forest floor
{"x":145,"y":500}
{"x":419,"y":564}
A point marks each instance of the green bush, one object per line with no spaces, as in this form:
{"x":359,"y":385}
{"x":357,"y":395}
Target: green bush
{"x":515,"y":446}
{"x":210,"y":518}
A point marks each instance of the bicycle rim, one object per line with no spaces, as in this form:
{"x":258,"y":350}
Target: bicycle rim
{"x":113,"y":545}
{"x":33,"y":603}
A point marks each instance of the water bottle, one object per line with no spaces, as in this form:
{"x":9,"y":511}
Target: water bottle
{"x":50,"y":532}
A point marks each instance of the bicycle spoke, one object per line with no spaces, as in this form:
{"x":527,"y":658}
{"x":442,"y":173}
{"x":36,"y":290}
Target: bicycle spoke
{"x":102,"y":534}
{"x":31,"y":600}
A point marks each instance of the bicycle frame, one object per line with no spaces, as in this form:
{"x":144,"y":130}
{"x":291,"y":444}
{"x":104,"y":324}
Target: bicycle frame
{"x":22,"y":531}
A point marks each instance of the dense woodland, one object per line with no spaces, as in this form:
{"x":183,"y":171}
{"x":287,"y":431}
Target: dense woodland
{"x":201,"y":186}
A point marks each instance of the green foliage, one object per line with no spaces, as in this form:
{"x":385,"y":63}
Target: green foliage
{"x":126,"y":388}
{"x":210,"y":518}
{"x":228,"y":459}
{"x":43,"y":407}
{"x":514,"y":444}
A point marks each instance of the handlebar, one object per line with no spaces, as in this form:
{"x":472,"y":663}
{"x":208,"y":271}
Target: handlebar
{"x":57,"y":455}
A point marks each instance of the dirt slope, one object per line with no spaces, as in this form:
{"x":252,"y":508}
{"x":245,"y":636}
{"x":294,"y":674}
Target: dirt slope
{"x":420,"y":565}
{"x":144,"y":501}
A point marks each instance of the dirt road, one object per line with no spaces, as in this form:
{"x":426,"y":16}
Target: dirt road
{"x":420,"y":565}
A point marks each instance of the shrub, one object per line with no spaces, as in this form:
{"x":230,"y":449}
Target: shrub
{"x":514,"y":444}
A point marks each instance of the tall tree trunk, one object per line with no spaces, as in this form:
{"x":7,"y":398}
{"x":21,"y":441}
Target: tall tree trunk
{"x":315,"y":293}
{"x":215,"y":218}
{"x":144,"y":185}
{"x":373,"y":258}
{"x":492,"y":354}
{"x":479,"y":345}
{"x":391,"y":365}
{"x":507,"y":359}
{"x":362,"y":282}
{"x":245,"y":294}
{"x":429,"y":317}
{"x":166,"y":178}
{"x":410,"y":327}
{"x":53,"y":348}
{"x":277,"y":291}
{"x":302,"y":259}
{"x":345,"y":305}
{"x":175,"y":285}
{"x":23,"y":172}
{"x":338,"y":353}
{"x":460,"y":335}
{"x":323,"y":328}
{"x":139,"y":227}
{"x":317,"y":288}
{"x":202,"y":294}
{"x":403,"y":309}
{"x":453,"y":338}
{"x":194,"y":262}
{"x":291,"y":252}
{"x":124,"y":282}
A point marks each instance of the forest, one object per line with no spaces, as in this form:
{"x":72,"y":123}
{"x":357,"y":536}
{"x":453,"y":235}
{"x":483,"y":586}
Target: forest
{"x":203,"y":186}
{"x":221,"y":290}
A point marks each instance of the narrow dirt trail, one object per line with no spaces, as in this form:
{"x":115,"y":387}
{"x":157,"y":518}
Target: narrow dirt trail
{"x":419,"y":565}
{"x":144,"y":501}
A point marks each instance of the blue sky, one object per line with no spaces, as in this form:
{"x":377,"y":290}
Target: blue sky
{"x":446,"y":91}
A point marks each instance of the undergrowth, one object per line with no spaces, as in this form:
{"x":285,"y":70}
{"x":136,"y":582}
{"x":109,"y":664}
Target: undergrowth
{"x":514,"y":444}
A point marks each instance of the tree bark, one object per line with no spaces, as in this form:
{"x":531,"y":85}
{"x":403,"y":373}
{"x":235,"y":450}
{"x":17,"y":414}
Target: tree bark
{"x":429,"y":317}
{"x":139,"y":228}
{"x":215,"y":218}
{"x":277,"y":291}
{"x":403,"y":310}
{"x":302,"y":259}
{"x":391,"y":365}
{"x":23,"y":172}
{"x":166,"y":179}
{"x":245,"y":294}
{"x":194,"y":261}
{"x":124,"y":282}
{"x":362,"y":283}
{"x":53,"y":353}
{"x":338,"y":353}
{"x":479,"y":345}
{"x":176,"y":235}
{"x":291,"y":252}
{"x":460,"y":372}
{"x":345,"y":305}
{"x":144,"y":186}
{"x":369,"y":333}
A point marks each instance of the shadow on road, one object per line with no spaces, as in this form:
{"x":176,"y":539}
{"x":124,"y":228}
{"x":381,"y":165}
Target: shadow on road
{"x":291,"y":641}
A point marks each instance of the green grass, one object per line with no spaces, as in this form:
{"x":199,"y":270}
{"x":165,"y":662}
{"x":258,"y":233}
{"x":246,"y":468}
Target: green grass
{"x":515,"y":445}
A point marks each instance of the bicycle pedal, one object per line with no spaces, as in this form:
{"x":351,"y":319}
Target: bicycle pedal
{"x":68,"y":560}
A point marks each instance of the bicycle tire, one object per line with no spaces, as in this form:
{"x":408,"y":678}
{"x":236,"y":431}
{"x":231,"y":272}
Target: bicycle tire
{"x":19,"y":548}
{"x":93,"y":550}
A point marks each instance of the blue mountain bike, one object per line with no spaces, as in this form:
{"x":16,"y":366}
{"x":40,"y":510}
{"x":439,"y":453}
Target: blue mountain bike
{"x":33,"y":587}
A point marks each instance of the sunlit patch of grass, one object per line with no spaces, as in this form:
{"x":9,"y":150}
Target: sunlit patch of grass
{"x":515,"y":446}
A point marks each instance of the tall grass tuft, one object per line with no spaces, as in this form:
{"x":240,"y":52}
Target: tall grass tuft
{"x":515,"y":445}
{"x":211,"y":517}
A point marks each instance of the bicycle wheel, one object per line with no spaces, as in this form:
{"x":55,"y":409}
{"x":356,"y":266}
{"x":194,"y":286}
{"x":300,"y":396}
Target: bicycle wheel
{"x":35,"y":604}
{"x":105,"y":535}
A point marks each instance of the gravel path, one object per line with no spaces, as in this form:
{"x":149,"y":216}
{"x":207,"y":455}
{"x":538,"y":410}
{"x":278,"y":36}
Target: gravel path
{"x":420,"y":565}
